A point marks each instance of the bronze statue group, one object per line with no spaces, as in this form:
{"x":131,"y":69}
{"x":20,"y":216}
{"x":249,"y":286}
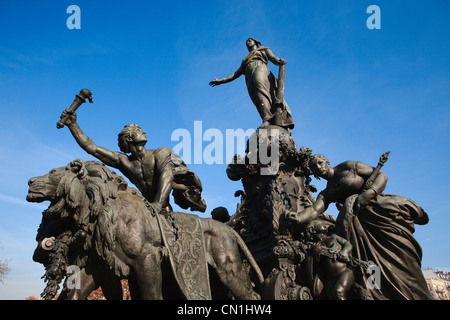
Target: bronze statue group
{"x":295,"y":249}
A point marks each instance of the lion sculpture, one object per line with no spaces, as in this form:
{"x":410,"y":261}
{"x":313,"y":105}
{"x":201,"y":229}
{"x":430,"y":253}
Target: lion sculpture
{"x":125,"y":240}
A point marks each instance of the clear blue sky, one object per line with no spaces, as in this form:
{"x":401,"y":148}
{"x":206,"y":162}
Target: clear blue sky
{"x":354,"y":93}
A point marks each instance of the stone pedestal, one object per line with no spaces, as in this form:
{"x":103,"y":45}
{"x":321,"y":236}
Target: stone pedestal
{"x":275,"y":178}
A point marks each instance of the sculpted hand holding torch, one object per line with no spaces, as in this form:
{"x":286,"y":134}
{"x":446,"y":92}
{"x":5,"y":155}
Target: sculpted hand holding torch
{"x":79,"y":100}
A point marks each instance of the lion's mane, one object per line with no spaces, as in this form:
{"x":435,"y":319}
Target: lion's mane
{"x":88,"y":191}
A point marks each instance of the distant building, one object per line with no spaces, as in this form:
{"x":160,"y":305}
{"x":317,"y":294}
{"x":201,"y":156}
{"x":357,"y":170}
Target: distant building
{"x":438,"y":283}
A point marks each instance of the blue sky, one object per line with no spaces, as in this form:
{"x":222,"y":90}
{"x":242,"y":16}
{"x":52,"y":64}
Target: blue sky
{"x":354,"y":93}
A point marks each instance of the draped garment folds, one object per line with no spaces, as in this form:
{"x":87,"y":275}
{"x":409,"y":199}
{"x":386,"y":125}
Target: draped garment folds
{"x":383,"y":233}
{"x":262,"y":88}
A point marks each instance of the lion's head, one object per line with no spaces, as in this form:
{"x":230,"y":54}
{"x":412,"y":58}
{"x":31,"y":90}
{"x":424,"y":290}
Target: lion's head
{"x":78,"y":186}
{"x":43,"y":188}
{"x":78,"y":195}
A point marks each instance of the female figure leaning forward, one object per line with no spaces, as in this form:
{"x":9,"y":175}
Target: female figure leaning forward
{"x":379,"y":226}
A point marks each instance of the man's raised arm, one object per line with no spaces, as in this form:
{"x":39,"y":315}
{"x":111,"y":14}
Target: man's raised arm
{"x":108,"y":157}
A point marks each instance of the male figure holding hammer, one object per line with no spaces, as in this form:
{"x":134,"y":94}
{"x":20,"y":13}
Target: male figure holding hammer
{"x":154,"y":172}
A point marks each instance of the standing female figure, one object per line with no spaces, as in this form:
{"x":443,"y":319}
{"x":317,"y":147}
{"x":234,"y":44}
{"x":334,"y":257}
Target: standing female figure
{"x":262,"y":84}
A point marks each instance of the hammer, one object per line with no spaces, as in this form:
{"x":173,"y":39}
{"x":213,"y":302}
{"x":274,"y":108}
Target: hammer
{"x":79,"y":100}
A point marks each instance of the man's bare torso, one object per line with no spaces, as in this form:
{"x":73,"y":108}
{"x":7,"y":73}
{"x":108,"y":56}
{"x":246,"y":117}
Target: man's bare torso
{"x":143,"y":173}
